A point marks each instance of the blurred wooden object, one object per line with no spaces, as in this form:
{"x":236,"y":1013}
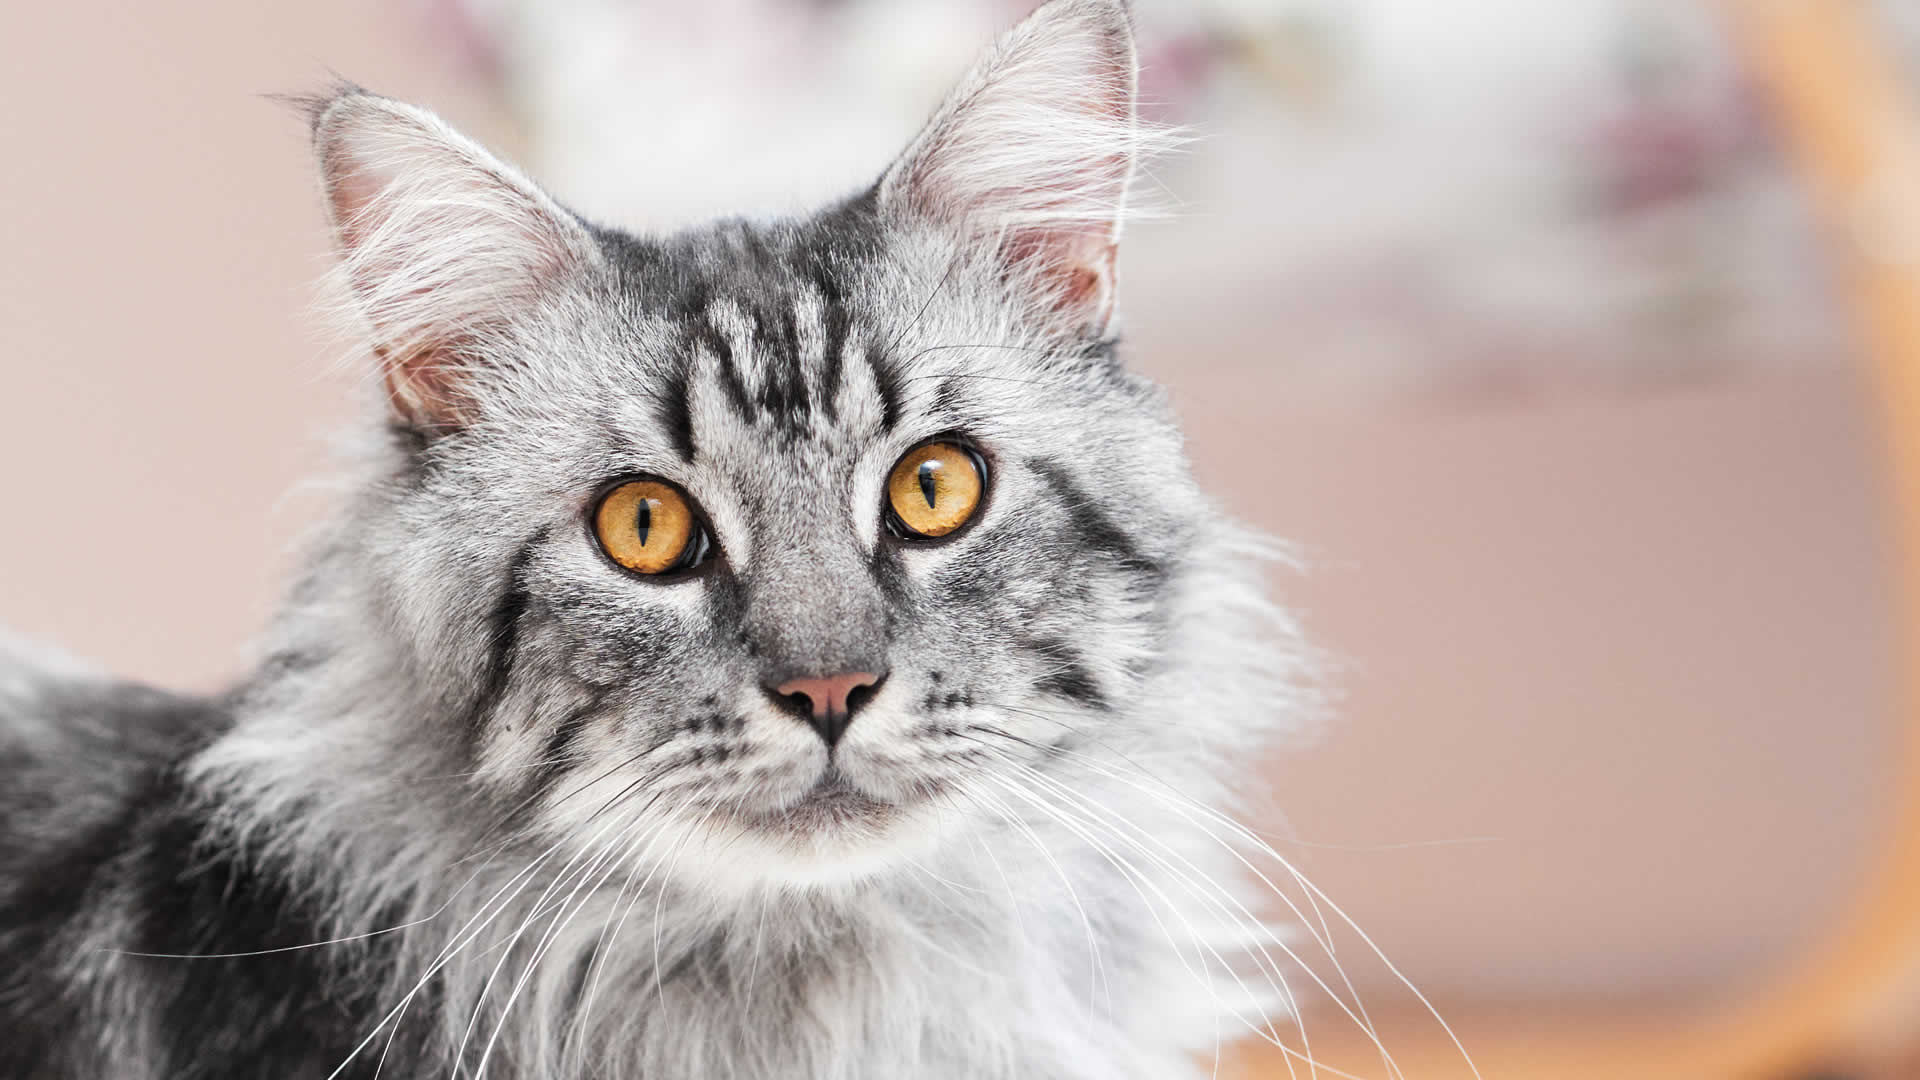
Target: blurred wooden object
{"x":1853,"y":127}
{"x":1851,"y":1008}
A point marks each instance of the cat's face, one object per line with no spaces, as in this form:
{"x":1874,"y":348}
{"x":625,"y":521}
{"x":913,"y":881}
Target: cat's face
{"x":777,"y":551}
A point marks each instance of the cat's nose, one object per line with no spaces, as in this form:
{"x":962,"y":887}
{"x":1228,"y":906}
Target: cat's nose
{"x":828,"y":703}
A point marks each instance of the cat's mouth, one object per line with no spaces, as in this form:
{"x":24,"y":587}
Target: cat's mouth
{"x":833,"y":802}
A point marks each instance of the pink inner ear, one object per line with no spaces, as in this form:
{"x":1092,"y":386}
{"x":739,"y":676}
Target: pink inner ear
{"x":351,"y":190}
{"x":424,"y":388}
{"x":1089,"y":289}
{"x":443,"y":246}
{"x":1032,"y":154}
{"x":1074,"y":267}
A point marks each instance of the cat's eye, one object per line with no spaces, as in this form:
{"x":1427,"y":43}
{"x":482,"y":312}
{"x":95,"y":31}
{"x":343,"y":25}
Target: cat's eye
{"x":648,"y":527}
{"x":934,"y":489}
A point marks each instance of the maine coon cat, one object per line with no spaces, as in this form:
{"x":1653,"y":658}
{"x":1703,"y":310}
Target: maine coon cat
{"x":778,"y":649}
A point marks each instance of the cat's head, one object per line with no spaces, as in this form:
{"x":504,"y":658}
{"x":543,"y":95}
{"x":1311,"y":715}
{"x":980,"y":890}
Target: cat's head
{"x":785,"y":546}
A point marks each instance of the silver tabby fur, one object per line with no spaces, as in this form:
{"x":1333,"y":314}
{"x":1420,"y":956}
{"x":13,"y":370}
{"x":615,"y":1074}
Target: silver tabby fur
{"x":492,"y":806}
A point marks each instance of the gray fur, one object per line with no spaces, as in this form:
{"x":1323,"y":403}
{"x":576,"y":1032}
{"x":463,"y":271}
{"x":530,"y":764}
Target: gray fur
{"x":550,"y":802}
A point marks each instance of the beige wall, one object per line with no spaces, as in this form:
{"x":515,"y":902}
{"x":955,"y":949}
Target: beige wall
{"x":1617,"y":670}
{"x":163,"y":383}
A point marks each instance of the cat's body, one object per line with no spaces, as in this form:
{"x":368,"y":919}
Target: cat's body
{"x":105,"y":851}
{"x":494,"y":804}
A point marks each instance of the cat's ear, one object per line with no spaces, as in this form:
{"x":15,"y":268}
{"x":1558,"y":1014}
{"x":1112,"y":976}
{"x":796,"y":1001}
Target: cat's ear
{"x":1033,"y":153}
{"x":442,"y":246}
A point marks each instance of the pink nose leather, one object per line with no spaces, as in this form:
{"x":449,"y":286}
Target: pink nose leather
{"x":828,"y":695}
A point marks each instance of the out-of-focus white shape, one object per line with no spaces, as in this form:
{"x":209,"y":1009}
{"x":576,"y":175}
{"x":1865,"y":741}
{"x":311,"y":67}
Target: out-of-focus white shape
{"x":1470,"y":194}
{"x":653,"y":115}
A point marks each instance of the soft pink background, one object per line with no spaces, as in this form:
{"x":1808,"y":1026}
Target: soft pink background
{"x":1617,"y":671}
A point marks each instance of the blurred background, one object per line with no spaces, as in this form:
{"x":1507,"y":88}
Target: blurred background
{"x":1514,"y":318}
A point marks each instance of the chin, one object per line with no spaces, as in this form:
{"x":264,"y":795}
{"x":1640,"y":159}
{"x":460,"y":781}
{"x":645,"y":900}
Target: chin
{"x":833,"y":838}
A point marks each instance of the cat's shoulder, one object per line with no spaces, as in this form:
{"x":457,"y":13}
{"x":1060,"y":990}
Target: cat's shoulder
{"x":54,"y":706}
{"x":76,"y":745}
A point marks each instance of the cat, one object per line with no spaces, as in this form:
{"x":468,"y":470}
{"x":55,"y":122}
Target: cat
{"x":780,"y":648}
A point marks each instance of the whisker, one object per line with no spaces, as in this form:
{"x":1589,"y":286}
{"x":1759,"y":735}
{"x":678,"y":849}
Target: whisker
{"x":659,"y":904}
{"x":462,"y":937}
{"x":1096,"y":975}
{"x":1289,"y":1053}
{"x":593,"y":986}
{"x":1136,"y":880}
{"x":563,"y":917}
{"x":586,"y":851}
{"x":1187,"y":808}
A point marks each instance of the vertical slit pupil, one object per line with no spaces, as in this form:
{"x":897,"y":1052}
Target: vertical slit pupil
{"x":929,"y":470}
{"x":643,"y":520}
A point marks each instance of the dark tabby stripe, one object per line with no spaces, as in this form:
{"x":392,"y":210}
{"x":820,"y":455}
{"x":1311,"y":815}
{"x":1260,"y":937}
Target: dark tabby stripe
{"x":887,"y":381}
{"x":783,"y":386}
{"x":706,"y":335}
{"x":1068,"y":677}
{"x":503,"y":630}
{"x":835,"y":321}
{"x":559,"y":755}
{"x":1092,"y":526}
{"x":674,"y":409}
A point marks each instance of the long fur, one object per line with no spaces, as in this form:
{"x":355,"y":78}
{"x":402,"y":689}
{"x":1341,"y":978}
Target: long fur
{"x":491,"y":806}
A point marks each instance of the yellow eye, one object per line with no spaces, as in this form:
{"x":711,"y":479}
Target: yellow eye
{"x":647,"y":527}
{"x":935,"y":488}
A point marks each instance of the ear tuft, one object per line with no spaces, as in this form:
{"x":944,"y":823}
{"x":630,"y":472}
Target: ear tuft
{"x":443,"y":246}
{"x":1034,"y":153}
